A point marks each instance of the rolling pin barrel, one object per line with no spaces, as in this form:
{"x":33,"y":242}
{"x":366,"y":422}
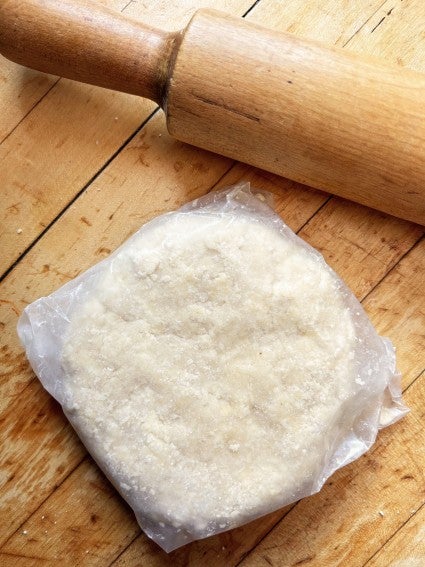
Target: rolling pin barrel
{"x":327,"y":118}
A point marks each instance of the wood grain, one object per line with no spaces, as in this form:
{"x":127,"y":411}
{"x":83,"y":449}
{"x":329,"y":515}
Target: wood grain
{"x":20,"y":92}
{"x":401,"y":313}
{"x":44,"y":469}
{"x":343,"y":225}
{"x":46,"y":540}
{"x":407,"y":547}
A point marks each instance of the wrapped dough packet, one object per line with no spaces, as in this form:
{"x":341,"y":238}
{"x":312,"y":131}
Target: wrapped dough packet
{"x":214,"y":366}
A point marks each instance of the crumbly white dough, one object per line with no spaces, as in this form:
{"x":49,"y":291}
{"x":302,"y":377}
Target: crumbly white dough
{"x":208,"y":367}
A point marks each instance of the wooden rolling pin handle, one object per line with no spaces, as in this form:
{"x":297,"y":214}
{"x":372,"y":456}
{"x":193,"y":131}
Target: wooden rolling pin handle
{"x":86,"y":42}
{"x":327,"y":118}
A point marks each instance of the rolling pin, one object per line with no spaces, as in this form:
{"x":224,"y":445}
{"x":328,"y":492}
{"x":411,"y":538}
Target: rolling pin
{"x":350,"y":125}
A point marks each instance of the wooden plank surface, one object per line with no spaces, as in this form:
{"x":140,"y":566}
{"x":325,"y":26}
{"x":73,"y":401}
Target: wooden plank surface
{"x":76,"y":200}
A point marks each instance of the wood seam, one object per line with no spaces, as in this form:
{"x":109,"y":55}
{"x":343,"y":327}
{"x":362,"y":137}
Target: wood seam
{"x":417,"y":243}
{"x":76,"y":196}
{"x":363,"y":25}
{"x":12,"y":535}
{"x":394,"y":534}
{"x":250,"y":9}
{"x":29,"y":111}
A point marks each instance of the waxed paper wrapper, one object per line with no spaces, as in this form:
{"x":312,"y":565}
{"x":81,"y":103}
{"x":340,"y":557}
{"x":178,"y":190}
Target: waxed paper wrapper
{"x":377,"y":402}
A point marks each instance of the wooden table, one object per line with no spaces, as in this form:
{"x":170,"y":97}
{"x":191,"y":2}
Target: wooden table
{"x":81,"y":169}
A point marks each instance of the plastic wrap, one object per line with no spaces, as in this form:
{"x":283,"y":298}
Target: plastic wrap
{"x":175,"y":387}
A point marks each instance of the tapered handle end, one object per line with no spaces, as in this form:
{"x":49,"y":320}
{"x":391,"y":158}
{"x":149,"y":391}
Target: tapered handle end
{"x":87,"y":42}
